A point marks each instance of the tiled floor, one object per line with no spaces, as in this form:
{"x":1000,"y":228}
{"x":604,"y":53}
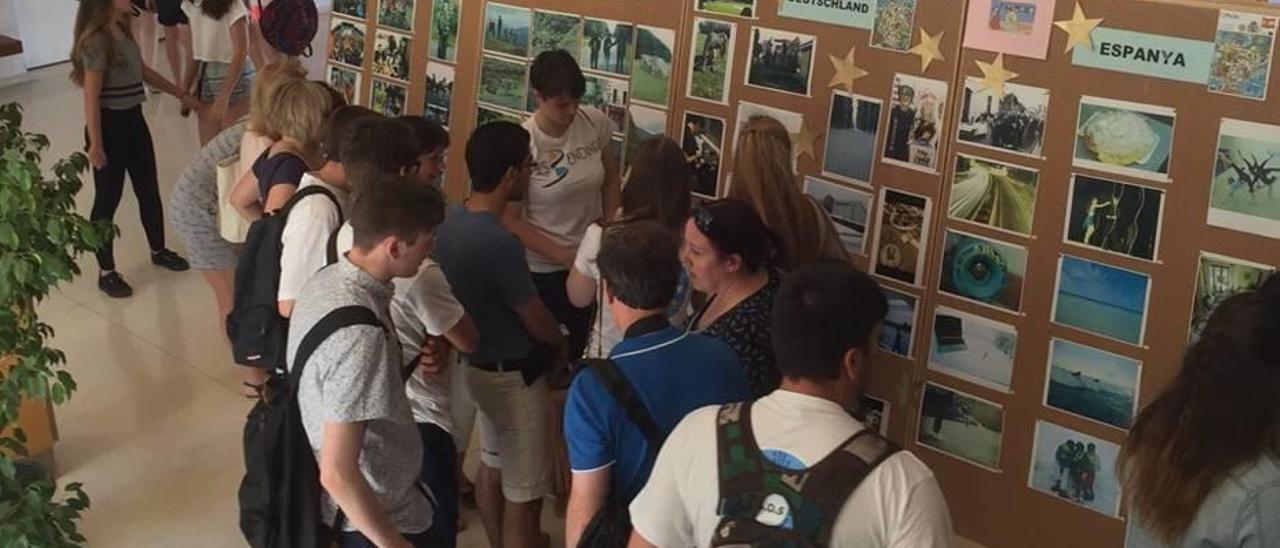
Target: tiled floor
{"x":154,"y":430}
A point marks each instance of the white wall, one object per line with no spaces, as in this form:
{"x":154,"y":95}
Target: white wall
{"x":45,"y":27}
{"x":12,"y":65}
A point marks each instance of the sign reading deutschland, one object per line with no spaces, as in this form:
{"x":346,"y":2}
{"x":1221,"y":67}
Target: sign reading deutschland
{"x":859,"y":14}
{"x":1167,"y":57}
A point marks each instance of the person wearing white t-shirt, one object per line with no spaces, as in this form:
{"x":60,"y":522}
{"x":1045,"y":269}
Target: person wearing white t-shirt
{"x":825,"y":321}
{"x":219,"y":42}
{"x":575,"y":182}
{"x":657,"y":189}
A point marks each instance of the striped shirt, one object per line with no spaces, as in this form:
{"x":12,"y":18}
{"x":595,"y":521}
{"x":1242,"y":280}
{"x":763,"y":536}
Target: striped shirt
{"x":122,"y":77}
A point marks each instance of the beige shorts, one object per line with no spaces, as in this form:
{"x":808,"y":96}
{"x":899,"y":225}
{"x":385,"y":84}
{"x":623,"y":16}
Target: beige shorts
{"x":515,"y":433}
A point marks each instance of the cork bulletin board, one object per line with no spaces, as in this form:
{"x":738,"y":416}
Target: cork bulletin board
{"x":1050,"y":223}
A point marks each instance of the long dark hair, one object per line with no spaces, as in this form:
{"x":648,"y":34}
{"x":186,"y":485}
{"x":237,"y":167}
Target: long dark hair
{"x":734,"y":228}
{"x":658,"y":187}
{"x":216,"y":9}
{"x":1219,"y":413}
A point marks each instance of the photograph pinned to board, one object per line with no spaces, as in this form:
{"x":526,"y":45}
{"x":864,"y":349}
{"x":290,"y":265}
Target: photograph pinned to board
{"x":1012,"y":122}
{"x":651,"y":69}
{"x":873,"y":412}
{"x":391,"y":55}
{"x":442,"y":43}
{"x":711,"y":67}
{"x":553,"y":30}
{"x":606,"y":46}
{"x":961,"y":425}
{"x":1219,"y":277}
{"x":973,"y":348}
{"x":901,"y":234}
{"x":1101,"y":299}
{"x":438,"y":104}
{"x":503,"y":83}
{"x":1242,"y":196}
{"x":1115,"y":217}
{"x":1242,"y":50}
{"x":1075,"y":467}
{"x":915,"y":122}
{"x":984,"y":271}
{"x":506,"y":29}
{"x":485,"y":115}
{"x":995,"y":194}
{"x":1122,"y":137}
{"x":738,"y":8}
{"x":1092,"y":383}
{"x":792,"y":121}
{"x":895,"y":24}
{"x":396,"y":14}
{"x":852,"y":128}
{"x":346,"y":81}
{"x":388,"y":98}
{"x":848,"y":208}
{"x":781,"y":61}
{"x":346,"y":42}
{"x":610,"y":96}
{"x":899,"y":326}
{"x":646,"y":123}
{"x":352,"y":8}
{"x":1015,"y":27}
{"x":703,"y":145}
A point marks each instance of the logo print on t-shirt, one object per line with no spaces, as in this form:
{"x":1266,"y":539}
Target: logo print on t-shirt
{"x":551,"y":166}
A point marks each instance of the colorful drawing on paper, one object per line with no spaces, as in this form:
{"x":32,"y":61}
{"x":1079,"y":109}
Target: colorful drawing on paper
{"x":391,"y":55}
{"x":1242,"y":54}
{"x":396,"y":14}
{"x":442,"y":44}
{"x":346,"y":42}
{"x":895,"y":24}
{"x":1242,"y":195}
{"x":388,"y":98}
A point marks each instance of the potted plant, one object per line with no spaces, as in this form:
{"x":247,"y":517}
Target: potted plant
{"x":41,"y":234}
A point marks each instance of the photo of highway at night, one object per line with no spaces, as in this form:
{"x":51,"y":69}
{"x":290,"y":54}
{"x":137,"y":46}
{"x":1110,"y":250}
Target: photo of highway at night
{"x":994,"y":194}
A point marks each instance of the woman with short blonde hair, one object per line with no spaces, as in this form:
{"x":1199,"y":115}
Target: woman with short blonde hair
{"x":762,"y":177}
{"x":265,"y":84}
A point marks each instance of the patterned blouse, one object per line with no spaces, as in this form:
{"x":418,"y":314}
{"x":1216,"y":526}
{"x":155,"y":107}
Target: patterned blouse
{"x":745,"y":328}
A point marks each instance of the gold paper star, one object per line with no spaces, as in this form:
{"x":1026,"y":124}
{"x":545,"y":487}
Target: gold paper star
{"x":929,"y":49}
{"x":1079,"y":29}
{"x":802,"y":142}
{"x":846,"y":71}
{"x":994,"y":75}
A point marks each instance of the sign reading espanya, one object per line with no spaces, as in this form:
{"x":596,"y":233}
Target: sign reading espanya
{"x":1145,"y":54}
{"x":859,"y":14}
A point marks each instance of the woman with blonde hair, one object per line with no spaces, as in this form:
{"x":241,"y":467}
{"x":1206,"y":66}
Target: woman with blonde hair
{"x":762,"y":177}
{"x":107,"y":64}
{"x":259,"y":135}
{"x":1201,"y":466}
{"x":297,"y":112}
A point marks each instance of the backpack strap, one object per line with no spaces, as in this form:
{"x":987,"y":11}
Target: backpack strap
{"x":607,"y":372}
{"x":331,"y":247}
{"x":309,"y":191}
{"x":336,"y":319}
{"x":831,"y":482}
{"x":739,"y":465}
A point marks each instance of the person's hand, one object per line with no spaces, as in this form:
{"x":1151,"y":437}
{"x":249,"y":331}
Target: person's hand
{"x":97,"y":156}
{"x":435,"y":357}
{"x":560,"y":375}
{"x":190,"y":103}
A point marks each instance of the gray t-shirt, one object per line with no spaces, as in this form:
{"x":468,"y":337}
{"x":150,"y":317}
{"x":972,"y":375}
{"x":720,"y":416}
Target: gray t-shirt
{"x":354,"y":376}
{"x":485,"y":265}
{"x":121,"y":73}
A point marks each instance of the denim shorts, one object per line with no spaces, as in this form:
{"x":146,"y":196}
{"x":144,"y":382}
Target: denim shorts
{"x":212,"y":75}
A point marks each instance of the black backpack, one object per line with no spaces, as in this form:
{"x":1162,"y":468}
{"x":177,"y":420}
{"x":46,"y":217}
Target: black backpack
{"x":257,"y":331}
{"x":290,"y":25}
{"x":280,"y":492}
{"x":802,"y":505}
{"x":611,"y":526}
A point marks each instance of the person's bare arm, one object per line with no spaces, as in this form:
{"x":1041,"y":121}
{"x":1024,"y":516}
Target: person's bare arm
{"x":586,"y":497}
{"x":539,"y":322}
{"x":464,"y":336}
{"x":533,"y":238}
{"x":611,"y":193}
{"x":239,"y":37}
{"x":244,"y":197}
{"x":581,"y":288}
{"x":638,"y":541}
{"x":93,"y":118}
{"x":341,"y":478}
{"x":278,"y":195}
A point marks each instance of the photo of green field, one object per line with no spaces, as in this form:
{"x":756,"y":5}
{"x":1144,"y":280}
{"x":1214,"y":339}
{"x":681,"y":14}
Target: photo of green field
{"x":712,"y":52}
{"x":651,"y":71}
{"x":552,"y":31}
{"x":740,"y":8}
{"x":503,"y":83}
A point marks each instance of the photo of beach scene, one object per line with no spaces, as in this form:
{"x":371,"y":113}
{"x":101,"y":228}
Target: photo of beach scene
{"x":973,"y":348}
{"x":1102,"y":299}
{"x":1092,"y":383}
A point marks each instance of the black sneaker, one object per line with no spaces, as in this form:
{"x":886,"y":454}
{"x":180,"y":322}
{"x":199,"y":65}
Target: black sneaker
{"x":170,"y":260}
{"x":114,"y":286}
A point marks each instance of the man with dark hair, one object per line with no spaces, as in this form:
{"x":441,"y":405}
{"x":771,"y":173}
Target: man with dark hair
{"x":433,"y":144}
{"x":351,"y":393}
{"x":485,"y":265}
{"x":377,"y":146}
{"x":668,"y":371}
{"x":314,"y":217}
{"x":796,"y":463}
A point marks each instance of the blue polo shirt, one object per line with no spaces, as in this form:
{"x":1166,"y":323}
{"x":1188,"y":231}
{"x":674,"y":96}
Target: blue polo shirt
{"x":672,"y":373}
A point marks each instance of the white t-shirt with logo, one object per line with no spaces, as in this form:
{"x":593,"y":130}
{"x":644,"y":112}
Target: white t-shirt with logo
{"x":899,"y":505}
{"x":423,"y":305}
{"x":567,"y":184}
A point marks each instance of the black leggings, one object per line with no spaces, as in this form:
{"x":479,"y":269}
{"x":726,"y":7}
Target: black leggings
{"x":554,"y":294}
{"x":127,"y":142}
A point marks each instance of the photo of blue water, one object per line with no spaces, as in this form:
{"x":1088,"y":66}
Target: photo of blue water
{"x":1101,"y":299}
{"x":1092,"y":383}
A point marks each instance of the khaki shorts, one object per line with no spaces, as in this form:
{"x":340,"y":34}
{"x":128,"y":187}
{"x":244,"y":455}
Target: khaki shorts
{"x":515,"y":433}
